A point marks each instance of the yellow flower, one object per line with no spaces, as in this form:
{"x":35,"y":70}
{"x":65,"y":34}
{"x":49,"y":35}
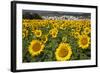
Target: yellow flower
{"x":76,"y":34}
{"x":64,"y":39}
{"x":35,"y":47}
{"x":87,"y":30}
{"x":55,"y":25}
{"x":24,"y":33}
{"x":63,"y":52}
{"x":78,"y":28}
{"x":63,"y":26}
{"x":84,"y":41}
{"x":44,"y":38}
{"x":38,"y":33}
{"x":53,"y":32}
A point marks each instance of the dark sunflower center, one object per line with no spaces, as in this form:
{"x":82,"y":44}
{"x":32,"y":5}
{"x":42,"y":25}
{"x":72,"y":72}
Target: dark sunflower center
{"x":63,"y":52}
{"x":44,"y":38}
{"x":87,"y":30}
{"x":36,"y":47}
{"x":54,"y":33}
{"x":84,"y":41}
{"x":38,"y":33}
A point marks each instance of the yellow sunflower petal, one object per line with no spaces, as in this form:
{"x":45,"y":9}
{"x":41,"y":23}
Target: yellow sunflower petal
{"x":53,"y":32}
{"x":35,"y":47}
{"x":63,"y":52}
{"x":38,"y":33}
{"x":84,"y":41}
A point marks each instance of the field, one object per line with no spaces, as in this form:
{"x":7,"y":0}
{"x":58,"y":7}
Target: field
{"x":56,"y":40}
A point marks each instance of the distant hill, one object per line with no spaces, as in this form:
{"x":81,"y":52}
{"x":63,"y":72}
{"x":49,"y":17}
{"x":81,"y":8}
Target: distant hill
{"x":38,"y":14}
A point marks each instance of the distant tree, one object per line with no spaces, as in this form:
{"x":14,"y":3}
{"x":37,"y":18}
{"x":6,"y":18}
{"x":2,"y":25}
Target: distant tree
{"x":29,"y":15}
{"x":36,"y":16}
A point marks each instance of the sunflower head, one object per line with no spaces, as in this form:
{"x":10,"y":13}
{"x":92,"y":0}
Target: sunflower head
{"x":87,"y":30}
{"x":38,"y":33}
{"x":63,"y":52}
{"x":35,"y":47}
{"x":64,"y":39}
{"x":55,"y":25}
{"x":44,"y":38}
{"x":24,"y":33}
{"x":84,"y":41}
{"x":63,"y":26}
{"x":53,"y":32}
{"x":76,"y":34}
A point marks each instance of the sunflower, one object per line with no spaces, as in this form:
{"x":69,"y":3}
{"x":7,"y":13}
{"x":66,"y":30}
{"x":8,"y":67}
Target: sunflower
{"x":84,"y":41}
{"x":53,"y":32}
{"x":35,"y":47}
{"x":87,"y":30}
{"x":78,"y":28}
{"x":63,"y":52}
{"x":63,"y":26}
{"x":24,"y":33}
{"x":55,"y":25}
{"x":76,"y":34}
{"x":38,"y":33}
{"x":44,"y":38}
{"x":64,"y":39}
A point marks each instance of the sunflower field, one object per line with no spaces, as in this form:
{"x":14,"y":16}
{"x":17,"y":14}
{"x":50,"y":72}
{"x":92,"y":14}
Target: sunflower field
{"x":56,"y":40}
